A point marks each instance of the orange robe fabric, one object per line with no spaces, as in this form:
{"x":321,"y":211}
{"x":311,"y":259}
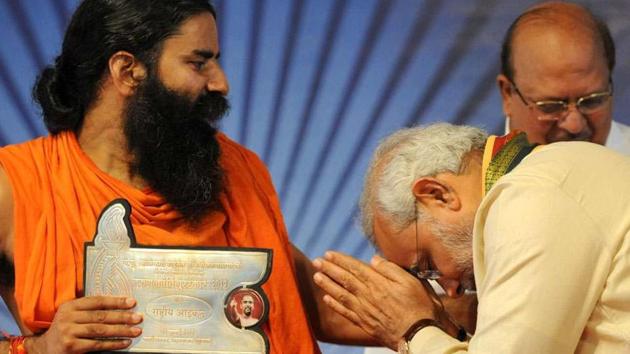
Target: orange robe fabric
{"x":59,"y":192}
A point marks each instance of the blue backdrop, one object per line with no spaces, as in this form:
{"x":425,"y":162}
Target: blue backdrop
{"x":316,"y":83}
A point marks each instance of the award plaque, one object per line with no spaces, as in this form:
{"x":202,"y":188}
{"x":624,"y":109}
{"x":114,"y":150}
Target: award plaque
{"x":194,"y":300}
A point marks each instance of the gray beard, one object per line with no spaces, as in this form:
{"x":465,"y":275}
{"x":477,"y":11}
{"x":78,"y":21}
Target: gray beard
{"x":457,"y":239}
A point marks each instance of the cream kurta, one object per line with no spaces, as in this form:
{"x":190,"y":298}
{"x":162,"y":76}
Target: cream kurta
{"x":552,"y":257}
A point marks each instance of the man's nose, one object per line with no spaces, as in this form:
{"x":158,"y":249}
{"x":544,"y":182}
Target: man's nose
{"x":217,"y":81}
{"x":453,"y":288}
{"x":574,"y":122}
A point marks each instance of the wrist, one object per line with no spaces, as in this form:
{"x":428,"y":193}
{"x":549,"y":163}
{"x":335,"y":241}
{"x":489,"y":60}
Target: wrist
{"x":403,"y":344}
{"x":16,"y":345}
{"x":30,"y":344}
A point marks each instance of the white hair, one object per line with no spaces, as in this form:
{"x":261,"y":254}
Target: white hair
{"x":404,"y":157}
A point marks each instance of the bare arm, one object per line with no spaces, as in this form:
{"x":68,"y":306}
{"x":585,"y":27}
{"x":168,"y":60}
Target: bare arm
{"x":79,"y":324}
{"x":6,"y":221}
{"x":6,"y":246}
{"x":329,"y":326}
{"x":6,"y":250}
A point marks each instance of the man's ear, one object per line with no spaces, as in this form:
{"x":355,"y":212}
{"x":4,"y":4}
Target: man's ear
{"x":505,"y":89}
{"x":126,"y":72}
{"x":433,"y":193}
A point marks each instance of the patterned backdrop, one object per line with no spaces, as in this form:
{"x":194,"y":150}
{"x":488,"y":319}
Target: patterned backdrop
{"x":316,"y":83}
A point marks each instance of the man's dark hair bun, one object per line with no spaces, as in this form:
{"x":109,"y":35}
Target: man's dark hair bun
{"x":59,"y":114}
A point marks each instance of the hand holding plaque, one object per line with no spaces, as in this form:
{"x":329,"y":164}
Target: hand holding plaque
{"x":88,"y":324}
{"x":194,"y":300}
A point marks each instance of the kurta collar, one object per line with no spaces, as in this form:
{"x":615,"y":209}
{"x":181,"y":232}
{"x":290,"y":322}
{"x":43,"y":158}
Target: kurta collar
{"x":501,"y":155}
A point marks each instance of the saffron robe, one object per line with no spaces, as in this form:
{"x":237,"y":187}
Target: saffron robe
{"x":58,"y":194}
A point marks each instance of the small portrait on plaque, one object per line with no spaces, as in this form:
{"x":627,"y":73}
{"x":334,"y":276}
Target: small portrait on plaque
{"x":245,"y":308}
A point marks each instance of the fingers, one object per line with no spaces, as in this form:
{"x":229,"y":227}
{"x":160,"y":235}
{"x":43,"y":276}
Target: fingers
{"x":108,"y":317}
{"x":342,"y":310}
{"x":93,"y":323}
{"x":344,"y":277}
{"x":361,"y":312}
{"x":355,"y":276}
{"x":400,"y":276}
{"x":358,"y":269}
{"x":93,"y":345}
{"x":390,"y":270}
{"x":344,"y":301}
{"x":99,"y":303}
{"x":333,"y":288}
{"x":93,"y":331}
{"x":99,"y":309}
{"x":67,"y":338}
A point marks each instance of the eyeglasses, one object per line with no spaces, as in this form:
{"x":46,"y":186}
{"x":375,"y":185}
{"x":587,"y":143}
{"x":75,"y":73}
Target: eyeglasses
{"x":551,"y":110}
{"x":419,"y":270}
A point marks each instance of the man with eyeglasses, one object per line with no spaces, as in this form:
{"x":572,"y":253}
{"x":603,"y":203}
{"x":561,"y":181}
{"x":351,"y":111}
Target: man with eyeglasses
{"x":532,"y":228}
{"x":556,"y":80}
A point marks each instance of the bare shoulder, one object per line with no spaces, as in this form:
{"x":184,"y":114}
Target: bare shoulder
{"x":6,"y":217}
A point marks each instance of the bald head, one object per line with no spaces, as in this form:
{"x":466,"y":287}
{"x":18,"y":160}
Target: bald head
{"x":557,"y":17}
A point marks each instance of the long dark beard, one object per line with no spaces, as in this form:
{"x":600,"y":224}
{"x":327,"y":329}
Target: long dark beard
{"x":174,"y":145}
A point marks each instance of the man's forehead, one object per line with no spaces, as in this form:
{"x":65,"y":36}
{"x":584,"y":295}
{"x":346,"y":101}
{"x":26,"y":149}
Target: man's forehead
{"x":391,"y":242}
{"x":552,"y":53}
{"x":381,"y":228}
{"x":197,"y":35}
{"x":202,"y":22}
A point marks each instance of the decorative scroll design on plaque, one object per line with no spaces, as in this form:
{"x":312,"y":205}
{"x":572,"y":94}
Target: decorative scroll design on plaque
{"x":112,"y":238}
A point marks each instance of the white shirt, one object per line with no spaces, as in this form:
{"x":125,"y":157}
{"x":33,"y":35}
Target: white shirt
{"x":619,"y":138}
